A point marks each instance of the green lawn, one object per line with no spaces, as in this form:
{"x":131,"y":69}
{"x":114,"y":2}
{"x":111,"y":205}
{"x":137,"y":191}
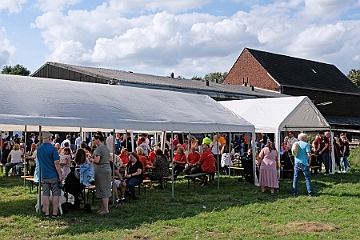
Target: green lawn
{"x":238,"y":210}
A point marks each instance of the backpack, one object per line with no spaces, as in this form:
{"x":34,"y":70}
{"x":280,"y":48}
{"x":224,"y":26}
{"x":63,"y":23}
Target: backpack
{"x":295,"y":148}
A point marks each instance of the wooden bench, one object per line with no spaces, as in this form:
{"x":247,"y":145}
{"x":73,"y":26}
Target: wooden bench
{"x":235,"y":169}
{"x":31,"y":181}
{"x":194,"y":176}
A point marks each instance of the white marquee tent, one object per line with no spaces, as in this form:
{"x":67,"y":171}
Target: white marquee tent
{"x":273,"y":115}
{"x":60,"y":105}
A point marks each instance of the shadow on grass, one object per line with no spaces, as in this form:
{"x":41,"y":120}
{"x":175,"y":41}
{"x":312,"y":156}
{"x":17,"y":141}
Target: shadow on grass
{"x":158,"y":205}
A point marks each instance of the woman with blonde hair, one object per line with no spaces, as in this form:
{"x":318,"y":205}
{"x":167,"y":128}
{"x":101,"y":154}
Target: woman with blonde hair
{"x":14,"y":160}
{"x":268,"y":173}
{"x":142,"y":157}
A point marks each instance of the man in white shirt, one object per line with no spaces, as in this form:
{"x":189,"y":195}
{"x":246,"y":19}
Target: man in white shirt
{"x":291,"y":140}
{"x":78,"y":141}
{"x":68,"y":137}
{"x":110,"y":142}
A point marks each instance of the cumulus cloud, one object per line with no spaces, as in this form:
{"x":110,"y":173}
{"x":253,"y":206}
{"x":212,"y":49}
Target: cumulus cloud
{"x":13,"y":6}
{"x":7,"y":49}
{"x":54,"y":5}
{"x":194,"y":43}
{"x":325,"y":9}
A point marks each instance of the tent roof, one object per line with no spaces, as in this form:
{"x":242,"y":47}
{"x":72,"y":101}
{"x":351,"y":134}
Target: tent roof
{"x":68,"y":105}
{"x":278,"y":114}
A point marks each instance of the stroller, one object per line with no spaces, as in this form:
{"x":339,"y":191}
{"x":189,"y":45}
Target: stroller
{"x":73,"y":186}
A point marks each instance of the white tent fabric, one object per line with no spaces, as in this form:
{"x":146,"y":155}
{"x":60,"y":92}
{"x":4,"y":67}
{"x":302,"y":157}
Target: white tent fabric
{"x":59,"y":104}
{"x":271,"y":115}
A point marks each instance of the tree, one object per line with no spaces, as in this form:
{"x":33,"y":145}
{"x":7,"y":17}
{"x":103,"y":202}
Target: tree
{"x":16,"y":70}
{"x":212,"y":77}
{"x":354,"y":76}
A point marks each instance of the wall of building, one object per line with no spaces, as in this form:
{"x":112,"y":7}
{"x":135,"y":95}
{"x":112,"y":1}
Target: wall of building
{"x":342,"y":104}
{"x":248,"y":68}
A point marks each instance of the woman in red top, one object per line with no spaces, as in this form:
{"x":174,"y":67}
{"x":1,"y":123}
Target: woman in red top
{"x":124,"y":156}
{"x":192,"y":159}
{"x":206,"y":162}
{"x":142,"y":158}
{"x":179,"y":162}
{"x":152,"y":156}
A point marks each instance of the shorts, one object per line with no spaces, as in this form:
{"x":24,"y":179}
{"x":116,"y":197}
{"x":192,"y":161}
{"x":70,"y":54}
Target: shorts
{"x":53,"y":185}
{"x":117,"y":182}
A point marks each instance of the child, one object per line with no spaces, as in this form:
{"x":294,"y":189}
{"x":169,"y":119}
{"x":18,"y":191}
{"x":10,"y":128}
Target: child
{"x":226,"y":159}
{"x":65,"y":161}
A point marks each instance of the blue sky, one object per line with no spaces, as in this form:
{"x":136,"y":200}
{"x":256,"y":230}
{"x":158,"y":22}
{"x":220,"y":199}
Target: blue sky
{"x":189,"y":38}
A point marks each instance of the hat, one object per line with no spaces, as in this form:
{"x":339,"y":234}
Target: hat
{"x":46,"y":135}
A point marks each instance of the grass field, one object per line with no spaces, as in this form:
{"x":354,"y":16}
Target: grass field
{"x":238,"y":210}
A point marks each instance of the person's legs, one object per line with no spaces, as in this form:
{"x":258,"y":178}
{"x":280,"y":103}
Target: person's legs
{"x":295,"y":179}
{"x":325,"y":157}
{"x":187,"y":170}
{"x":115,"y":186}
{"x":8,"y":166}
{"x":123,"y":188}
{"x":56,"y":191}
{"x":320,"y":160}
{"x":306,"y":173}
{"x":131,"y":184}
{"x":105,"y":206}
{"x":46,"y":195}
{"x":346,"y":163}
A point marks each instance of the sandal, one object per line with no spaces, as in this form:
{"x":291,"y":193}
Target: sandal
{"x":47,"y":216}
{"x":54,"y":216}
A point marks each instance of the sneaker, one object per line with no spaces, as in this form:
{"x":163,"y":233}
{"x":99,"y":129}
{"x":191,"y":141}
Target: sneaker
{"x":339,"y":171}
{"x":118,"y":200}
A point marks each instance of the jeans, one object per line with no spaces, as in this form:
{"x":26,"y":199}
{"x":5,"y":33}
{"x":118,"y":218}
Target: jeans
{"x":11,"y":165}
{"x":325,"y":158}
{"x":299,"y":167}
{"x":346,"y":163}
{"x":132,"y":182}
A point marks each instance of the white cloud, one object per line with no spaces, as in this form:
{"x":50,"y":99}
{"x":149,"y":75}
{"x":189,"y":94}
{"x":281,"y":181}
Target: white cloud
{"x":13,"y":6}
{"x":142,"y":6}
{"x":325,"y":9}
{"x":55,"y":5}
{"x":7,"y":49}
{"x":196,"y":43}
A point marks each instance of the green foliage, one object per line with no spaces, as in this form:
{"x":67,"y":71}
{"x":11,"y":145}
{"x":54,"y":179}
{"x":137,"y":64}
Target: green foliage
{"x":310,"y":139}
{"x":354,"y":76}
{"x":354,"y":159}
{"x":212,"y":76}
{"x":16,"y":70}
{"x":237,"y":210}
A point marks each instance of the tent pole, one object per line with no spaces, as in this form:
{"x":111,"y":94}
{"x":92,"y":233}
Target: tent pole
{"x":217,"y":161}
{"x":113,"y":170}
{"x":132,"y":141}
{"x":126,"y":142}
{"x":256,"y":180}
{"x":332,"y":152}
{"x":39,"y":192}
{"x":163,"y":141}
{"x":25,"y":163}
{"x":277,"y":146}
{"x":172,"y":166}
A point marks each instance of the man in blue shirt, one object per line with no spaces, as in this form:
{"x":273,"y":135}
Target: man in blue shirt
{"x":49,"y":162}
{"x":302,"y":158}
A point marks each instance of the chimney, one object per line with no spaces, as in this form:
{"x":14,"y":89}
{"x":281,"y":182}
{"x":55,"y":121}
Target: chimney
{"x":216,"y":80}
{"x":252,"y":88}
{"x":207,"y":83}
{"x":247,"y":80}
{"x":172,"y":75}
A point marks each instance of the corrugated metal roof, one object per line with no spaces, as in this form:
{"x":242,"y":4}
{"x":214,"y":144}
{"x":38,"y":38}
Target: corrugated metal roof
{"x":146,"y":79}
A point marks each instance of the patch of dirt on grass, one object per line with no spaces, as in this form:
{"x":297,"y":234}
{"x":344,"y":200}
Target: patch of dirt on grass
{"x":306,"y":227}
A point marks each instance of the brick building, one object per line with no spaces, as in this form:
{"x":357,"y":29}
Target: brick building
{"x":337,"y":98}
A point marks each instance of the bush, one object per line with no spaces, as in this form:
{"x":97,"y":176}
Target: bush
{"x":310,"y":139}
{"x":354,"y":159}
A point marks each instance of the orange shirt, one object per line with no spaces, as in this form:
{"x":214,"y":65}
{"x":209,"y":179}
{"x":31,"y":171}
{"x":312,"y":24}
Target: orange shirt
{"x":222,"y":141}
{"x":143,"y":160}
{"x":124,"y":158}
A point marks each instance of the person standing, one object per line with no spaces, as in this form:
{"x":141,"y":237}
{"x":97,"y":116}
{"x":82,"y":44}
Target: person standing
{"x":49,"y":163}
{"x":302,"y":159}
{"x":78,"y":141}
{"x":268,"y":172}
{"x":322,"y":150}
{"x":290,"y":140}
{"x":110,"y":142}
{"x":101,"y":160}
{"x":345,"y":150}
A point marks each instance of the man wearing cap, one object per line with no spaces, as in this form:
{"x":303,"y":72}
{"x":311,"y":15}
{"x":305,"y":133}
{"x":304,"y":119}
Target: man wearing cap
{"x":49,"y":162}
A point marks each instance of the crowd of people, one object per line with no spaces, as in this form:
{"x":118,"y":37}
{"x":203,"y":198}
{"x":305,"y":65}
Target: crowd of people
{"x":55,"y":159}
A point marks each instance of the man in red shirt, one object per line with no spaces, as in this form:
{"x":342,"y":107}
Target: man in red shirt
{"x":206,"y":162}
{"x":192,"y":159}
{"x":322,"y":150}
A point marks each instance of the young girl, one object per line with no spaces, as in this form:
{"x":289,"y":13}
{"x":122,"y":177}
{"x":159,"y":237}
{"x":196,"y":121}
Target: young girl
{"x":226,"y":159}
{"x":65,"y":161}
